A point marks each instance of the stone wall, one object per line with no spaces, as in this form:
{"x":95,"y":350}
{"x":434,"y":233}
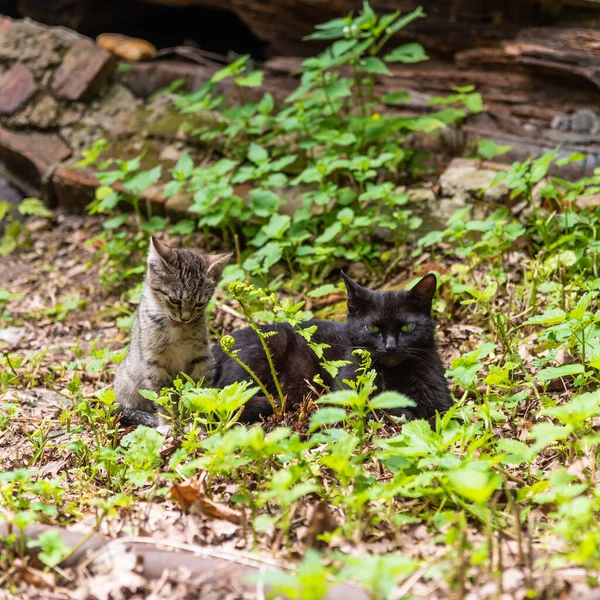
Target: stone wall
{"x":48,"y":76}
{"x":59,"y":92}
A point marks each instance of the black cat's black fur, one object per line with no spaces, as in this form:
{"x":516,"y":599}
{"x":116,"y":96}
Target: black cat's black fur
{"x":395,"y":326}
{"x":295,"y":363}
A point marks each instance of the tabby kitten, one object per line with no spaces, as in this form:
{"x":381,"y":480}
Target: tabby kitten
{"x":170,"y":333}
{"x":395,"y":326}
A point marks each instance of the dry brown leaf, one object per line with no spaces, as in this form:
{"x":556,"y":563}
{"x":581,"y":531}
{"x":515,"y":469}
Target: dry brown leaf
{"x":185,"y":493}
{"x":35,"y":577}
{"x":189,"y":497}
{"x":215,"y":510}
{"x":119,"y":585}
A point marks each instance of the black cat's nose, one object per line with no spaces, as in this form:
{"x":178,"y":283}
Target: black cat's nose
{"x":390,"y":343}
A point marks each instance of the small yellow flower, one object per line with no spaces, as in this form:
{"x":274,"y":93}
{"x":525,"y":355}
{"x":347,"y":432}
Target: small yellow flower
{"x":375,"y":116}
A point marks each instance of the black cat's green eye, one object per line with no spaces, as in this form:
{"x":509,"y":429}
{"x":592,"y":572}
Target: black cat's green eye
{"x":200,"y":305}
{"x":407,"y":327}
{"x":174,"y":301}
{"x":373,"y":328}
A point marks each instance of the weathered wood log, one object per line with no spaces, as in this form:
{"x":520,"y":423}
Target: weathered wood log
{"x":451,"y":25}
{"x":566,"y":52}
{"x":158,"y":557}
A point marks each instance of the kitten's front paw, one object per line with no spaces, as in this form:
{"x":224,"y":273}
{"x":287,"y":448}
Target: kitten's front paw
{"x":134,"y":416}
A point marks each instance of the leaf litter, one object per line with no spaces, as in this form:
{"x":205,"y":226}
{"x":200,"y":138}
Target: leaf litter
{"x":60,"y":263}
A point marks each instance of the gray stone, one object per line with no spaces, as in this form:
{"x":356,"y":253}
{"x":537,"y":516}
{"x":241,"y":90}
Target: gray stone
{"x":12,"y":335}
{"x":589,"y":201}
{"x":418,"y":195}
{"x":71,"y":114}
{"x":465,"y":178}
{"x":171,"y":153}
{"x":42,"y":114}
{"x":39,"y":47}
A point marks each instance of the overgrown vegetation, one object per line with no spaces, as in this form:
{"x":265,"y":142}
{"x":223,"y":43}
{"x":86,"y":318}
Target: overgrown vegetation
{"x":507,"y":478}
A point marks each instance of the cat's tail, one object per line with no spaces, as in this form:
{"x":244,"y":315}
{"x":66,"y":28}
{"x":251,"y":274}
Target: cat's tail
{"x":134,"y":416}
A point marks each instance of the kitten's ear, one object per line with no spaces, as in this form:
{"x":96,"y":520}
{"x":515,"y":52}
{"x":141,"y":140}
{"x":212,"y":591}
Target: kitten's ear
{"x":358,"y":296}
{"x":424,"y":290}
{"x":159,"y":252}
{"x":215,"y":263}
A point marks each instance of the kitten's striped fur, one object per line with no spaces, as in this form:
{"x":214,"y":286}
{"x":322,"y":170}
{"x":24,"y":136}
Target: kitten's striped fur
{"x":170,"y":334}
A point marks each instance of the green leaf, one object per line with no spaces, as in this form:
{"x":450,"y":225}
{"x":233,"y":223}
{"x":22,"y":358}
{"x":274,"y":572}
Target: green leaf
{"x":235,"y":68}
{"x":473,"y":484}
{"x":342,"y":46}
{"x":5,"y":208}
{"x":327,"y":416}
{"x":518,"y":452}
{"x":322,"y":290}
{"x":35,"y":207}
{"x":266,"y":105}
{"x":431,"y":238}
{"x":345,"y":216}
{"x":265,"y":202}
{"x":541,"y":166}
{"x":328,"y":31}
{"x":374,"y":65}
{"x":115,"y":222}
{"x":253,"y":79}
{"x":566,"y":258}
{"x":400,"y":97}
{"x":257,"y":154}
{"x":402,"y":22}
{"x":341,"y":397}
{"x":593,"y":359}
{"x":142,"y":181}
{"x":425,"y":123}
{"x":53,"y":548}
{"x":579,"y":410}
{"x":183,"y":168}
{"x":489,"y":149}
{"x":550,"y":373}
{"x":389,"y":399}
{"x":264,"y":258}
{"x":408,"y":53}
{"x":546,"y":434}
{"x":550,"y":317}
{"x":277,"y":226}
{"x":576,"y":156}
{"x":579,"y":311}
{"x":329,"y":233}
{"x":474,"y":102}
{"x":345,"y":139}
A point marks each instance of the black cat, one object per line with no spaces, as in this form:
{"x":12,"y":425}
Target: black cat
{"x":396,"y":328}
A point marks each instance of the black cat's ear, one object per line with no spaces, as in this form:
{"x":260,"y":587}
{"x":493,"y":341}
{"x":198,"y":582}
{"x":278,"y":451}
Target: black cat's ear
{"x":215,"y":263}
{"x":160,"y":253}
{"x":358,"y":296}
{"x":424,"y":290}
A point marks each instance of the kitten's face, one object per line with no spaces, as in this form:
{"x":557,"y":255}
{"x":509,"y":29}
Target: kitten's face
{"x":182,"y":281}
{"x":393,"y":326}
